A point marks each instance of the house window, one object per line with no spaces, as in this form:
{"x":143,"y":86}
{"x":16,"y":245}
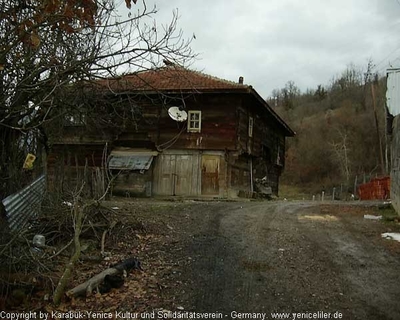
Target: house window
{"x":251,"y":124}
{"x":194,"y":121}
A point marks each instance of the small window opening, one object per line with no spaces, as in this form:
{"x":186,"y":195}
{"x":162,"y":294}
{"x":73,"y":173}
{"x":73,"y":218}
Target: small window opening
{"x":194,"y":121}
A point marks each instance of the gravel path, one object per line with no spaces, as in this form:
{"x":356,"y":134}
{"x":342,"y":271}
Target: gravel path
{"x":263,"y":257}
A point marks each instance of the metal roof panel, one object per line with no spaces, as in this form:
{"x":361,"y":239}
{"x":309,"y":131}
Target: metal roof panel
{"x":130,"y":161}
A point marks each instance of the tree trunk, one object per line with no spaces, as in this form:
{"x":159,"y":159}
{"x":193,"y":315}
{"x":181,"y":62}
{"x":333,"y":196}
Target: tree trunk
{"x":94,"y":282}
{"x":58,"y":294}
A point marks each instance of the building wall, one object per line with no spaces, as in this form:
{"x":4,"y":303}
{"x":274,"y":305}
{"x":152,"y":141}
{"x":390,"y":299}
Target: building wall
{"x":132,"y":183}
{"x":395,"y":171}
{"x":187,"y":164}
{"x":190,"y":173}
{"x":70,"y":166}
{"x":266,"y":146}
{"x":218,"y":123}
{"x":239,"y":169}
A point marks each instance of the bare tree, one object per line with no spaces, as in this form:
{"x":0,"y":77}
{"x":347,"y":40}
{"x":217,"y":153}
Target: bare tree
{"x":48,"y":47}
{"x":341,"y":151}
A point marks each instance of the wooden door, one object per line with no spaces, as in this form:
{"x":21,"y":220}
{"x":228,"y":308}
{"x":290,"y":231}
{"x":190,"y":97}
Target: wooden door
{"x":209,"y":175}
{"x":167,"y":170}
{"x":177,"y":174}
{"x":183,"y":176}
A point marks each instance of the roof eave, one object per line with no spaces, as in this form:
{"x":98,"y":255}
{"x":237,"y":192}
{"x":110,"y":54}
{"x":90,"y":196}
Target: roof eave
{"x":289,"y":131}
{"x":179,"y":91}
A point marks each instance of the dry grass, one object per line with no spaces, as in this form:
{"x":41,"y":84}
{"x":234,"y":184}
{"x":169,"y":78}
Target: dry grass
{"x":293,"y":193}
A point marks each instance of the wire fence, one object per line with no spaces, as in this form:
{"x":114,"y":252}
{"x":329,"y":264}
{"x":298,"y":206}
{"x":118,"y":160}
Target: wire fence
{"x":363,"y":187}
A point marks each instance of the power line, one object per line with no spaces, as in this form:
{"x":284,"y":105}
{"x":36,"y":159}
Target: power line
{"x":384,"y":59}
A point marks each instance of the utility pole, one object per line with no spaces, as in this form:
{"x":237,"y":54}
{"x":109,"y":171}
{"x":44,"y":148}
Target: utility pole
{"x":383,"y":171}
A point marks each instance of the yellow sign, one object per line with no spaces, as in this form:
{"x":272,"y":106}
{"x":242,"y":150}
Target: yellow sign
{"x":30,"y":159}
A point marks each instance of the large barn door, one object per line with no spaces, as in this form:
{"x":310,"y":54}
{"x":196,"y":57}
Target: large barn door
{"x":177,"y":174}
{"x":209,"y":175}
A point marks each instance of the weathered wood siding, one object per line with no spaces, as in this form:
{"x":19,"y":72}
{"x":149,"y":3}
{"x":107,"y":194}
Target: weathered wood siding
{"x":68,"y":166}
{"x":180,"y":166}
{"x":239,"y":171}
{"x":133,"y":183}
{"x":177,"y":172}
{"x":180,"y":172}
{"x":266,"y":145}
{"x":215,"y":172}
{"x":218,"y":124}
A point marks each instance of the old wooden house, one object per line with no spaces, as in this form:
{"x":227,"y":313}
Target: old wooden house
{"x":221,"y":137}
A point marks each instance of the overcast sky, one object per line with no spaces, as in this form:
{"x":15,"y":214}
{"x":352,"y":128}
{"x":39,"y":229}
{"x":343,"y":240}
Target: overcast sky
{"x":272,"y":42}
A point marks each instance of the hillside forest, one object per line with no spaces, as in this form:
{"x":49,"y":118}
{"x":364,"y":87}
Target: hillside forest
{"x":341,"y":138}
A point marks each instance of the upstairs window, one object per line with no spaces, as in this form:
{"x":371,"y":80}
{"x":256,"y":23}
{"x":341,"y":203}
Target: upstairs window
{"x":251,"y":124}
{"x":194,"y":121}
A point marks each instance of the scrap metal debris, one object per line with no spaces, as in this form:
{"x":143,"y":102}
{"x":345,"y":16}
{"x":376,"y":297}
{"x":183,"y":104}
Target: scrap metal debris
{"x":372,"y":217}
{"x":391,"y":236}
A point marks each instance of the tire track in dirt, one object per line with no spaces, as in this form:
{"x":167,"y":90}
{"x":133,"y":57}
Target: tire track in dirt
{"x":235,"y":255}
{"x":290,"y":257}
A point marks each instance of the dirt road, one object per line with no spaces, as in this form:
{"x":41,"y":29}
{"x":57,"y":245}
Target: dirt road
{"x":311,"y":260}
{"x":286,"y":257}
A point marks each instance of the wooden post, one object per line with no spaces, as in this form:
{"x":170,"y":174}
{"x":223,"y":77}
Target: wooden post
{"x":377,"y":130}
{"x":251,"y":176}
{"x":355,"y":186}
{"x":333,"y":194}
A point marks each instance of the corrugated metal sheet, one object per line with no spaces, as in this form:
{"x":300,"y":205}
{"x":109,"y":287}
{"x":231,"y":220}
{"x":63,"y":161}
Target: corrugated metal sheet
{"x":131,"y":159}
{"x":25,"y":204}
{"x":393,"y":91}
{"x":130,"y":162}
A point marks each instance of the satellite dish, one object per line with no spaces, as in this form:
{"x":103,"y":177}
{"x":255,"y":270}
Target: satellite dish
{"x":176,"y":114}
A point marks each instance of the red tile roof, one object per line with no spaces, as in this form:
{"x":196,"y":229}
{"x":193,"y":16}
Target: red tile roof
{"x":171,"y":78}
